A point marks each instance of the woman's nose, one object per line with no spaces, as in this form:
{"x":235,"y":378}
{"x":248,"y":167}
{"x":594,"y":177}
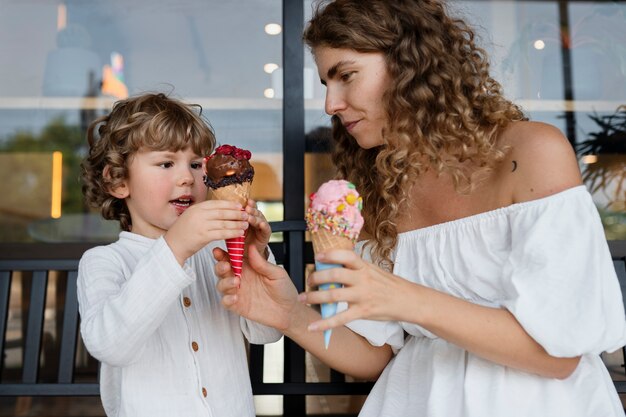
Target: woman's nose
{"x":334,"y":102}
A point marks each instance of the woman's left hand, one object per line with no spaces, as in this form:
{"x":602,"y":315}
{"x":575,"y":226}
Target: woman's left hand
{"x":259,"y":231}
{"x":371,"y":293}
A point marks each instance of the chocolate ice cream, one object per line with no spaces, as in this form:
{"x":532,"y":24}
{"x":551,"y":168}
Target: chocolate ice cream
{"x":228,"y":165}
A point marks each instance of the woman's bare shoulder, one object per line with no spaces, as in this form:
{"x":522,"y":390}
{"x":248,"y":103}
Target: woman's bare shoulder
{"x":540,"y":159}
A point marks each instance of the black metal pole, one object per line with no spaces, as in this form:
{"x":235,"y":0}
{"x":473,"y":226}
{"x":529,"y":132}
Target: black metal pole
{"x":293,"y":180}
{"x":566,"y":54}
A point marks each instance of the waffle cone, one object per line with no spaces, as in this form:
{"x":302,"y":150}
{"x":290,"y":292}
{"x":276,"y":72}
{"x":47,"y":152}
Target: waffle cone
{"x":324,"y":240}
{"x":234,"y":192}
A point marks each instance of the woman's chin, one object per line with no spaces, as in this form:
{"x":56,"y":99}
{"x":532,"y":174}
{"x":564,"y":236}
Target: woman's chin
{"x":368,"y":143}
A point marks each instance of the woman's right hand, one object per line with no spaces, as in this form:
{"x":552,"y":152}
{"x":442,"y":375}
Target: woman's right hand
{"x":264,"y":293}
{"x":267,"y":295}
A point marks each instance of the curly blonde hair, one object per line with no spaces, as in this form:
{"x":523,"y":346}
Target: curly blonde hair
{"x":444,"y":110}
{"x":153,"y":121}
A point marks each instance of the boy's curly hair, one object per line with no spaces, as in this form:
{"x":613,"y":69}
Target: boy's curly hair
{"x":443,"y":107}
{"x":153,"y":121}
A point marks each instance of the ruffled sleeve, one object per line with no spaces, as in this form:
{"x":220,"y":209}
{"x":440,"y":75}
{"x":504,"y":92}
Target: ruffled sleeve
{"x":377,"y":333}
{"x":560,"y":282}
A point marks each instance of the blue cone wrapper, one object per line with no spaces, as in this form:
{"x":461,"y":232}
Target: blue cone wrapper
{"x":327,"y":309}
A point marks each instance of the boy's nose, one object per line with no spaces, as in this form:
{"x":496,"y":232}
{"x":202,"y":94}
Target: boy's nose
{"x":186,"y":178}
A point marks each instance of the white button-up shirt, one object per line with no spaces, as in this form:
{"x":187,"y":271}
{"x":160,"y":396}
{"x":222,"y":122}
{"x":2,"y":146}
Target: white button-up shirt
{"x":167,"y":346}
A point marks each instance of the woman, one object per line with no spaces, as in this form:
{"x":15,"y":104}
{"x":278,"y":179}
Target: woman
{"x":481,"y":244}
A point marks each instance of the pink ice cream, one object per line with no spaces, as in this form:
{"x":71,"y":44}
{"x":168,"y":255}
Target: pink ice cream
{"x":336,"y":206}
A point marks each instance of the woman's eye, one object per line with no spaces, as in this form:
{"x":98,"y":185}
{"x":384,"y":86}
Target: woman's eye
{"x":346,"y":76}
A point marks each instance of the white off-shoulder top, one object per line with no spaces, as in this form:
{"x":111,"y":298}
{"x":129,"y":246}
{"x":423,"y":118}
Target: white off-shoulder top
{"x":548,"y":263}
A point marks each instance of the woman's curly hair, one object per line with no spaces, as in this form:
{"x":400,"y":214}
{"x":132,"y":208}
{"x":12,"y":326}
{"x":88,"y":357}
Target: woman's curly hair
{"x":153,"y":121}
{"x":444,"y":110}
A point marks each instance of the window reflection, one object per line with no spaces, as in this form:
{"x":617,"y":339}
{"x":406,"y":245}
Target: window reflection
{"x":564,"y":62}
{"x":85,"y":55}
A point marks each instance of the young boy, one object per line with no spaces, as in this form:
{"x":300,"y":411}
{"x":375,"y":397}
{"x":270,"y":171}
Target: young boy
{"x":148,"y":304}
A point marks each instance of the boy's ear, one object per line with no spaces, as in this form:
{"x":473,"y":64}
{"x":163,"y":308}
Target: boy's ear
{"x":120,"y":191}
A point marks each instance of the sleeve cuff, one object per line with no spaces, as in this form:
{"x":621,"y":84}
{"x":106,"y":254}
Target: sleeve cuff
{"x":180,"y":276}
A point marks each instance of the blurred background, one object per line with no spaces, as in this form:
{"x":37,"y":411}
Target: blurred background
{"x":64,"y":63}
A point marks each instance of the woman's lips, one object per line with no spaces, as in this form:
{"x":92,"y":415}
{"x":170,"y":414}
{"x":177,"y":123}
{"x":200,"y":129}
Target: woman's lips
{"x":350,"y":125}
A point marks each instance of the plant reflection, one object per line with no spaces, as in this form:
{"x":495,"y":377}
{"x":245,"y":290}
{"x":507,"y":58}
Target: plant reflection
{"x":603,"y":156}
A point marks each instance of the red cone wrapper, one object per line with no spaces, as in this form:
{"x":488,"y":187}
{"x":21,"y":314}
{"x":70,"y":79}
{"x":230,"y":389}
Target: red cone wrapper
{"x":235,"y":247}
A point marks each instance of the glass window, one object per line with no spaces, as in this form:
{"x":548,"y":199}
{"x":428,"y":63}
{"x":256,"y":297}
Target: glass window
{"x":564,"y":62}
{"x":85,"y":55}
{"x":317,"y":161}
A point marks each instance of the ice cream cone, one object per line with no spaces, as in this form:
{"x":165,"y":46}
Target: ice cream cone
{"x":334,"y":220}
{"x":239,"y":192}
{"x":228,"y":175}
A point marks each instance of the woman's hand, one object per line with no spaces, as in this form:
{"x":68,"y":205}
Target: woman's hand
{"x":264,"y":293}
{"x":268,"y":296}
{"x":370,"y":292}
{"x":260,"y":231}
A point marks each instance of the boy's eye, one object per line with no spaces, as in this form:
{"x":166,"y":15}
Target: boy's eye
{"x":196,"y":165}
{"x":166,"y":164}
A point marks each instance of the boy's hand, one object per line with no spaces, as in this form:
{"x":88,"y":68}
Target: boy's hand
{"x":260,"y":231}
{"x":203,"y":223}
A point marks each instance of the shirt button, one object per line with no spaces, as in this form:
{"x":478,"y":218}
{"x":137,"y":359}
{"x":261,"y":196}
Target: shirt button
{"x":186,"y":301}
{"x":194,"y":346}
{"x":204,"y":391}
